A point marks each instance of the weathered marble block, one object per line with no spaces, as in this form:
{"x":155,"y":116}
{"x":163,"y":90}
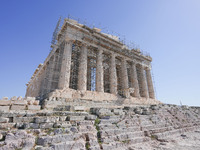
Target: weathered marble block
{"x":18,"y":107}
{"x":20,"y":98}
{"x":36,"y":102}
{"x":19,"y":102}
{"x":76,"y":118}
{"x":13,"y":98}
{"x":34,"y":107}
{"x":5,"y":102}
{"x":4,"y":120}
{"x":4,"y":108}
{"x":79,"y":108}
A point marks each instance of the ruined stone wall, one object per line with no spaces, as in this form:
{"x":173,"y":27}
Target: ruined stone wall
{"x":19,"y":103}
{"x":73,"y":128}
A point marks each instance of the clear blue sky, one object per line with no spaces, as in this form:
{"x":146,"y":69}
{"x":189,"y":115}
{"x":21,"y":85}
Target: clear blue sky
{"x":167,"y":29}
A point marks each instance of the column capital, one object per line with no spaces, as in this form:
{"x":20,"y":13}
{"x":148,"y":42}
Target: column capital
{"x":148,"y":68}
{"x":134,"y":62}
{"x":113,"y":54}
{"x":99,"y":50}
{"x":69,"y":41}
{"x":124,"y":59}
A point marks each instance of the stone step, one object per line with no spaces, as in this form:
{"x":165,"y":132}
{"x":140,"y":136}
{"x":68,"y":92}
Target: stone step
{"x":118,"y":131}
{"x":160,"y":130}
{"x":75,"y":118}
{"x":94,"y":148}
{"x":45,"y":119}
{"x":107,"y":126}
{"x":75,"y":145}
{"x":61,"y":124}
{"x":87,"y":129}
{"x":154,"y":126}
{"x":109,"y":121}
{"x":173,"y":132}
{"x":46,"y":140}
{"x":114,"y":146}
{"x":42,"y":148}
{"x":85,"y":122}
{"x":7,"y":125}
{"x":139,"y":140}
{"x":123,"y":145}
{"x":69,"y":113}
{"x":122,"y":136}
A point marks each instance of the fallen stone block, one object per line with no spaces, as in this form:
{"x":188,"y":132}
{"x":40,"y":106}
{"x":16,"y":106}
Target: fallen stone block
{"x":19,"y":102}
{"x":30,"y":102}
{"x":62,"y":125}
{"x":13,"y":98}
{"x":4,"y":120}
{"x":91,"y":117}
{"x":36,"y":102}
{"x":20,"y":98}
{"x":62,"y":118}
{"x":23,"y":119}
{"x":46,"y":125}
{"x":34,"y":125}
{"x":5,"y":102}
{"x":34,"y":107}
{"x":27,"y":125}
{"x":30,"y":98}
{"x":4,"y":108}
{"x":46,"y":119}
{"x":79,"y":108}
{"x":7,"y":125}
{"x":75,"y":118}
{"x":1,"y":136}
{"x":18,"y":107}
{"x":118,"y":112}
{"x":63,"y":108}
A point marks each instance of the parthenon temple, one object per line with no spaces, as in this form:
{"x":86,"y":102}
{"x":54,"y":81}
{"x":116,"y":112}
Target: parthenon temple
{"x":87,"y":64}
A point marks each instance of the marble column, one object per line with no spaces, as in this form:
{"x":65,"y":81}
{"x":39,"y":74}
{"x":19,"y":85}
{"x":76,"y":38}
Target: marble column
{"x":64,"y":78}
{"x":124,"y":73}
{"x":144,"y":89}
{"x":82,"y":73}
{"x":51,"y":71}
{"x":113,"y":75}
{"x":150,"y":83}
{"x":99,"y":72}
{"x":134,"y":80}
{"x":42,"y":89}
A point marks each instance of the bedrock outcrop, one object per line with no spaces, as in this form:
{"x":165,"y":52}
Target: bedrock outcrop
{"x":127,"y":128}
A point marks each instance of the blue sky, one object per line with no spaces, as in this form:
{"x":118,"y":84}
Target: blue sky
{"x":167,"y":29}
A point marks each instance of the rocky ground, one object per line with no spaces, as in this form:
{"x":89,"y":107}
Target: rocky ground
{"x":159,"y":127}
{"x":186,"y":141}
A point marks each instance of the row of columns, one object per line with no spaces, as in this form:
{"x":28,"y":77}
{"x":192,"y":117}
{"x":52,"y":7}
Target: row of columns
{"x":144,"y":90}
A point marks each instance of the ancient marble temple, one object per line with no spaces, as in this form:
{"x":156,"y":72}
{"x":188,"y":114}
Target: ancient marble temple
{"x":88,"y":64}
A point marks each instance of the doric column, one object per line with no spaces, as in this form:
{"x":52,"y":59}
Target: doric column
{"x":113,"y":75}
{"x":99,"y":72}
{"x":124,"y":73}
{"x":134,"y":80}
{"x":150,"y":83}
{"x":144,"y":90}
{"x":65,"y":66}
{"x":82,"y":72}
{"x":51,"y":71}
{"x":42,"y":88}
